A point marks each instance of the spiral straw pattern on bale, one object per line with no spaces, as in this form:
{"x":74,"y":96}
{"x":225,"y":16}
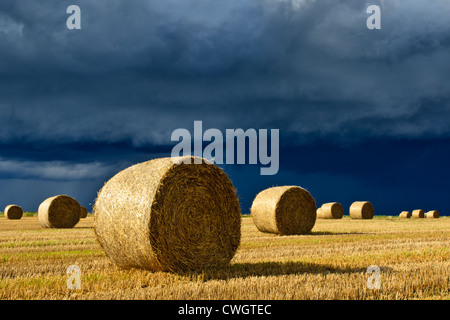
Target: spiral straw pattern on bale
{"x":331,"y":210}
{"x":286,"y":210}
{"x":13,"y":212}
{"x":169,"y":214}
{"x":433,"y":214}
{"x":59,"y":212}
{"x":419,"y":213}
{"x":405,"y":215}
{"x":362,"y":210}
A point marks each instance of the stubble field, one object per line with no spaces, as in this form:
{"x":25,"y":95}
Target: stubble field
{"x":330,"y":263}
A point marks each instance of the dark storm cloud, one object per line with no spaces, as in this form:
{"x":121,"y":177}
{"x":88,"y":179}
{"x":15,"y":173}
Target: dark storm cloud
{"x":139,"y":69}
{"x":52,"y":170}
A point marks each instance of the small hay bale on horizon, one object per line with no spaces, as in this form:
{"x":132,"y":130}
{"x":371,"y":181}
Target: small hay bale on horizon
{"x":331,"y":210}
{"x":285,"y":210}
{"x":59,"y":211}
{"x":169,"y":214}
{"x":83,"y":212}
{"x":418,"y":213}
{"x":432,"y":214}
{"x":13,"y":212}
{"x":405,"y":215}
{"x":362,"y":210}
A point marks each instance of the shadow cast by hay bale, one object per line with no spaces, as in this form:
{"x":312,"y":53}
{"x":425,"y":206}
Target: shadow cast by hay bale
{"x":259,"y":269}
{"x":329,"y":233}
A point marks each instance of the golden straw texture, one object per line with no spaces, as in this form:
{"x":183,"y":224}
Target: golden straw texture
{"x":433,"y":214}
{"x":59,"y":212}
{"x":331,"y":210}
{"x":13,"y":212}
{"x":169,"y":214}
{"x":405,"y":215}
{"x":419,"y":213}
{"x":361,"y":210}
{"x":286,"y":210}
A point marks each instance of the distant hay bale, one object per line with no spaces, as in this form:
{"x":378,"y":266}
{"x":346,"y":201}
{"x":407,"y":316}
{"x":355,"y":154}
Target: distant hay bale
{"x":331,"y":210}
{"x":169,"y":214}
{"x":319,"y":213}
{"x":286,"y":210}
{"x":83,"y":212}
{"x":59,"y":212}
{"x":433,"y":214}
{"x":405,"y":215}
{"x":13,"y":212}
{"x":362,"y":210}
{"x":419,"y":213}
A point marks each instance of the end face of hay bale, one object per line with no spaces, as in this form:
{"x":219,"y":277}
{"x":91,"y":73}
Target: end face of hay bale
{"x":362,"y":210}
{"x":405,"y":215}
{"x":83,"y":212}
{"x":13,"y":212}
{"x":433,"y":214}
{"x":332,"y":210}
{"x":59,"y":212}
{"x":286,"y":210}
{"x":169,"y":214}
{"x":419,"y":213}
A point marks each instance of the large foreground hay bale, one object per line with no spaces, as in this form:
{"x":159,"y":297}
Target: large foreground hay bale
{"x":83,"y":212}
{"x":286,"y":210}
{"x":405,"y":215}
{"x":169,"y":214}
{"x":331,"y":210}
{"x":13,"y":212}
{"x":433,"y":214}
{"x":59,"y":212}
{"x":419,"y":213}
{"x":361,"y":210}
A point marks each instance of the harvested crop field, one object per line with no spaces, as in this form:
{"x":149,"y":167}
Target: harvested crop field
{"x":329,"y":263}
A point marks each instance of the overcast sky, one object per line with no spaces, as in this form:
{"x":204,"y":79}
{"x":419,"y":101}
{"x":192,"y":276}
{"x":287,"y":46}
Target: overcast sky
{"x":363,"y":114}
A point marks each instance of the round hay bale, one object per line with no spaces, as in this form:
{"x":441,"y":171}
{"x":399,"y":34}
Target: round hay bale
{"x":405,"y":215}
{"x":59,"y":212}
{"x":319,"y":213}
{"x":169,"y":214}
{"x":13,"y":212}
{"x":332,"y":210}
{"x":362,"y":210}
{"x":433,"y":214}
{"x":286,"y":210}
{"x":419,"y":213}
{"x":83,"y":212}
